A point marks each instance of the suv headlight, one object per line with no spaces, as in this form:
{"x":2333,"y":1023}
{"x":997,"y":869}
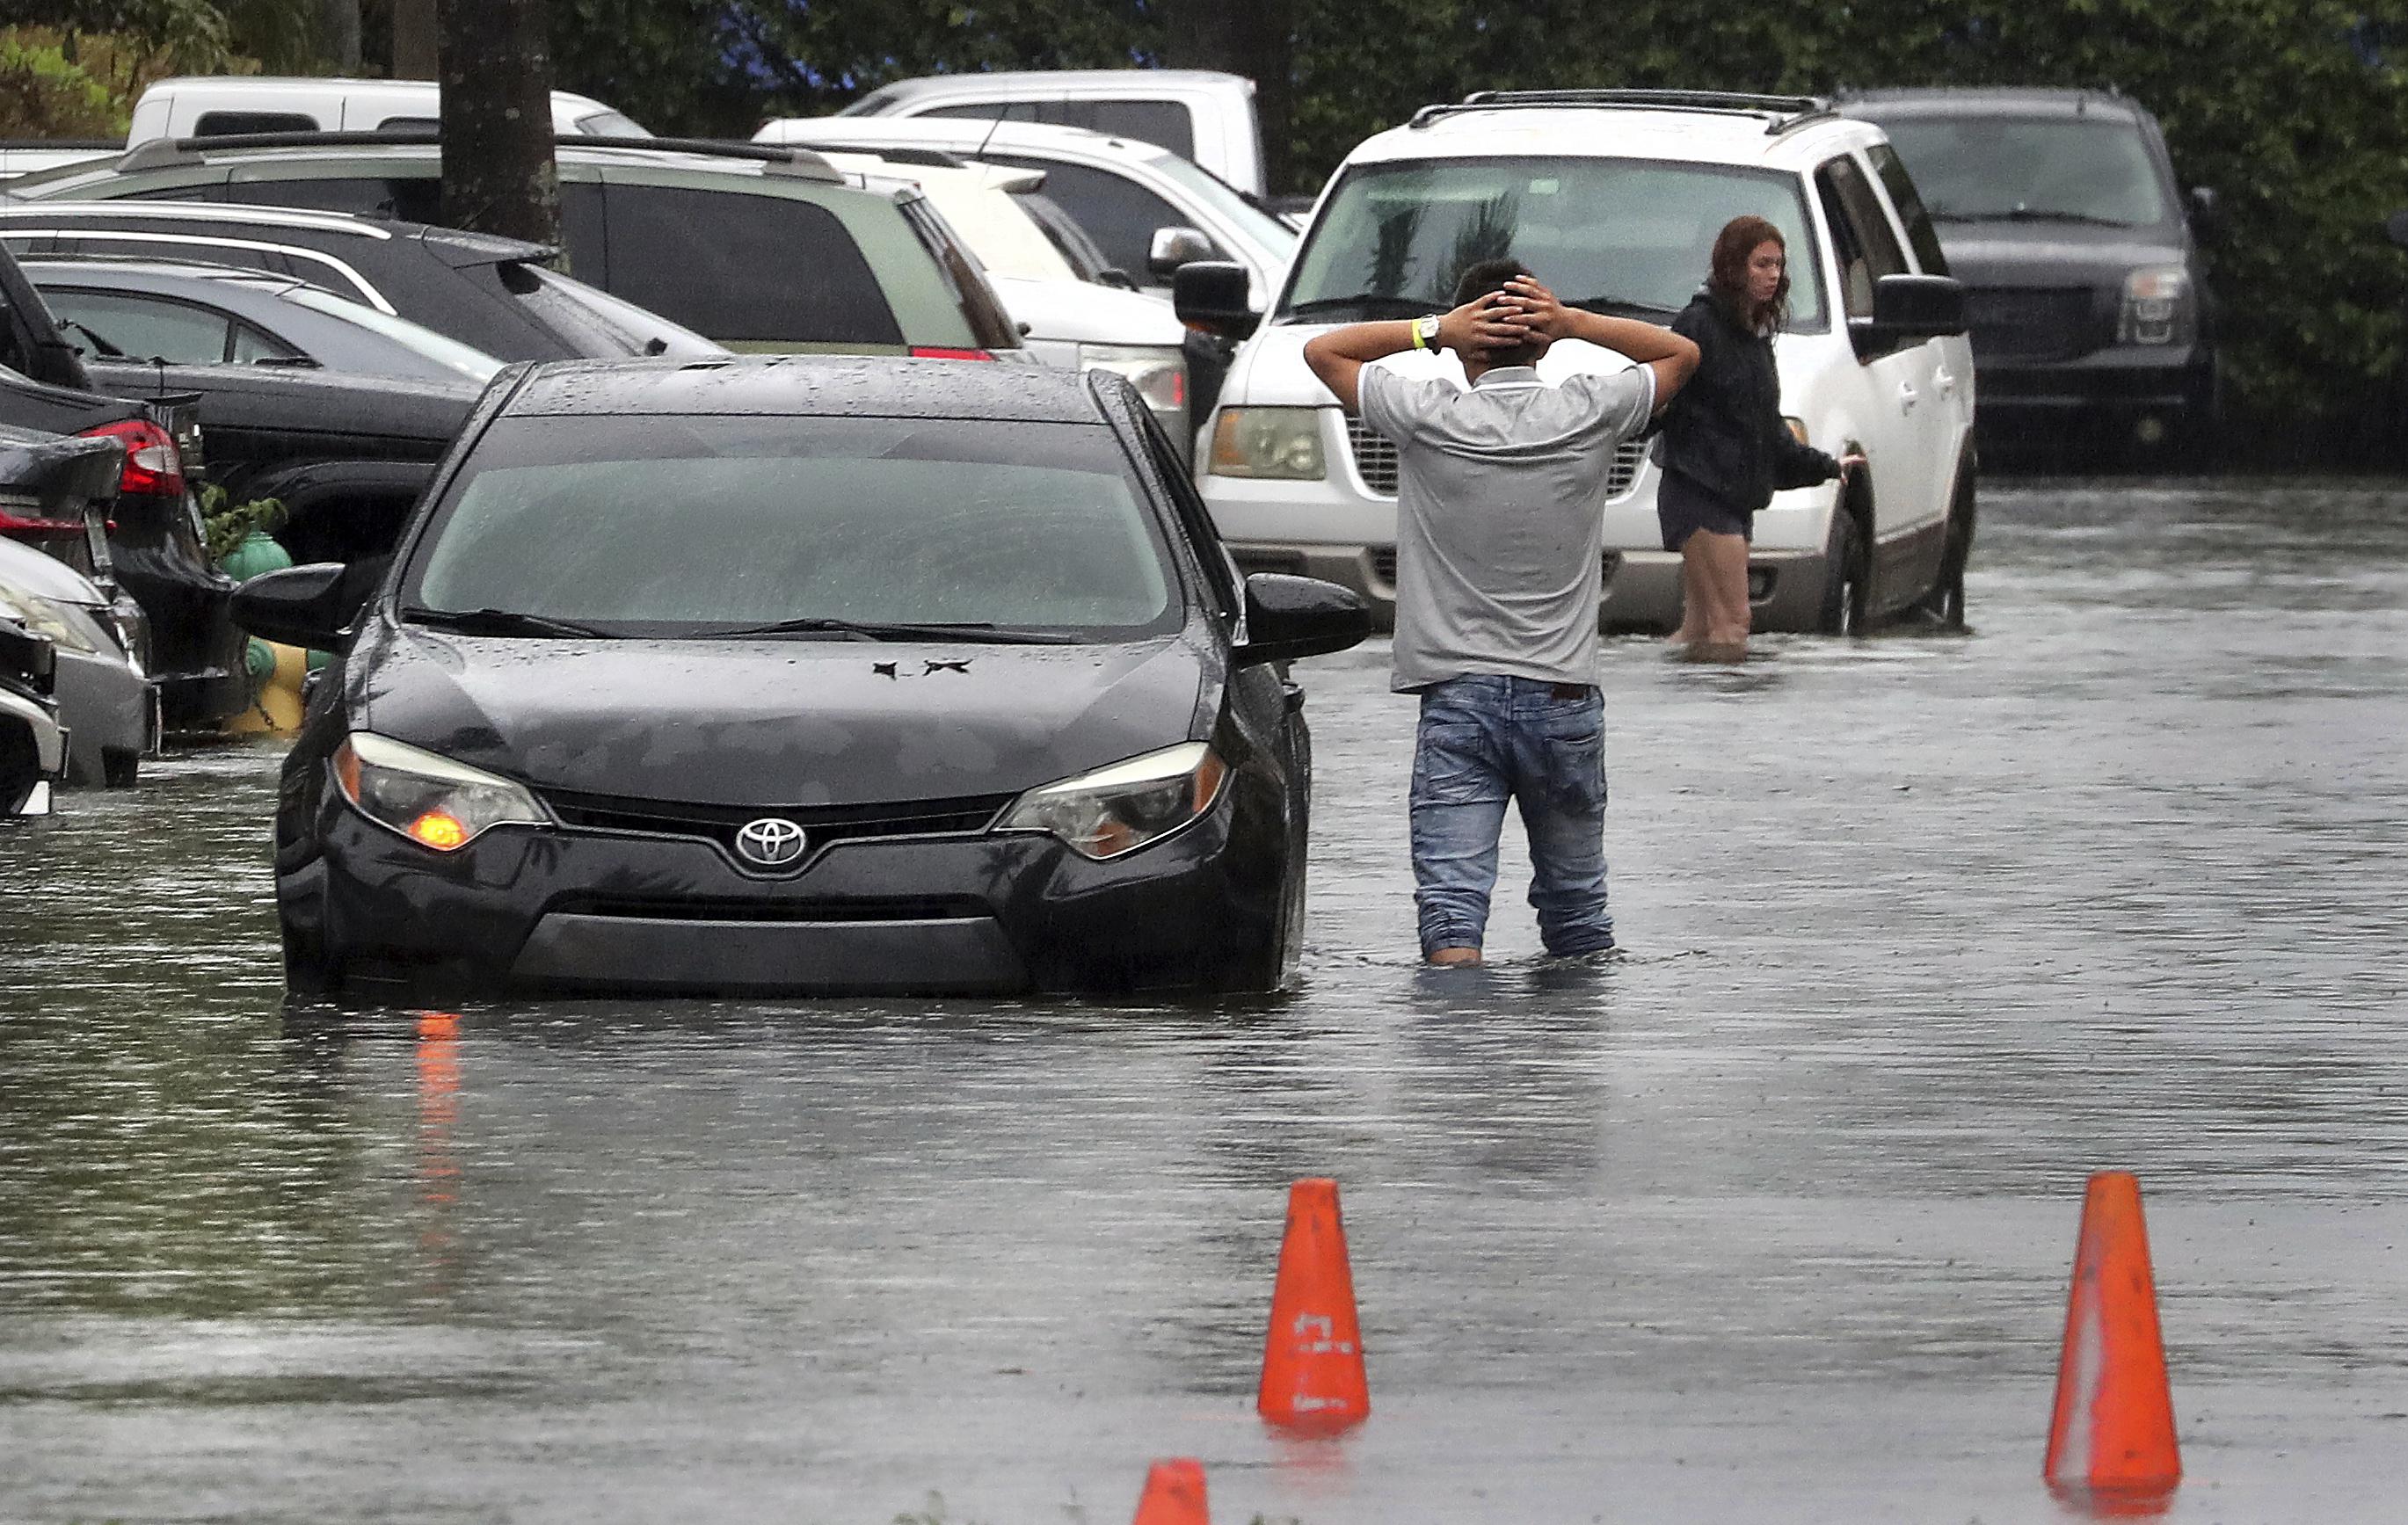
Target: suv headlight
{"x":431,"y":800}
{"x":1279,"y":443}
{"x":1159,"y":375}
{"x":1119,"y":809}
{"x":63,"y":623}
{"x":2160,"y":306}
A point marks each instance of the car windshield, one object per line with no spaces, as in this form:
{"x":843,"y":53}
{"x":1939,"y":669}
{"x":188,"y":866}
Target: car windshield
{"x":1258,"y":226}
{"x":2072,"y":170}
{"x":451,"y":354}
{"x":1620,"y":235}
{"x":700,"y":526}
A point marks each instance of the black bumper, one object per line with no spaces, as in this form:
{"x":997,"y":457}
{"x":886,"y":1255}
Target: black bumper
{"x":573,"y":911}
{"x":2113,"y":386}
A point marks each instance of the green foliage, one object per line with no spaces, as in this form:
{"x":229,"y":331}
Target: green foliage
{"x":226,"y":524}
{"x":45,"y":94}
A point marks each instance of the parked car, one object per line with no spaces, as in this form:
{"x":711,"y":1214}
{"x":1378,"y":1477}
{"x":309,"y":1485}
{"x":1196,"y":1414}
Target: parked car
{"x":191,"y":314}
{"x":219,"y":105}
{"x":1149,"y":211}
{"x":493,"y":293}
{"x":108,"y":707}
{"x":805,"y":674}
{"x":32,"y":747}
{"x":1067,"y":318}
{"x":710,"y":236}
{"x":2086,"y":284}
{"x":1204,"y":117}
{"x":1613,"y":198}
{"x":149,"y":542}
{"x":25,"y":156}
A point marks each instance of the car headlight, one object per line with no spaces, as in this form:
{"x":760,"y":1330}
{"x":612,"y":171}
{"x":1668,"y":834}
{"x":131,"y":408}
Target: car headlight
{"x":1159,"y":375}
{"x":2160,"y":306}
{"x":431,"y":800}
{"x":1119,"y":809}
{"x":67,"y":627}
{"x":1279,"y":443}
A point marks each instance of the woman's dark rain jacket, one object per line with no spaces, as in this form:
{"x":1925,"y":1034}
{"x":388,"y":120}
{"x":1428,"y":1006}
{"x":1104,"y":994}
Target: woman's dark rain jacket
{"x":1724,"y":430}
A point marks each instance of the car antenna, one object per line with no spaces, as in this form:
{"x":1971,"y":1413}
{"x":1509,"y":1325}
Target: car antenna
{"x":995,"y":124}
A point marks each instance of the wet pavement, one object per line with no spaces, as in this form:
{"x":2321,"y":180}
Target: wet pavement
{"x":1769,"y":1221}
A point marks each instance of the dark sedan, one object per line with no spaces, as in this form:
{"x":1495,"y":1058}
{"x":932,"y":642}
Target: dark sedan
{"x":800,"y":674}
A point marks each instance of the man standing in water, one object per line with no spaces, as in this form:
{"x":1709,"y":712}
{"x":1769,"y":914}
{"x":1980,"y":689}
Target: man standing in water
{"x":1501,"y":491}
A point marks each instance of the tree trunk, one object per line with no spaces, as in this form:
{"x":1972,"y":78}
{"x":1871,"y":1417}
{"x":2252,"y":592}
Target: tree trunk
{"x":339,"y":34}
{"x":415,"y":48}
{"x":1253,"y":37}
{"x":498,"y":172}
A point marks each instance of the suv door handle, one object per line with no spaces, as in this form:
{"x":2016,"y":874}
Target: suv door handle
{"x":1906,"y":397}
{"x":1946,"y":381}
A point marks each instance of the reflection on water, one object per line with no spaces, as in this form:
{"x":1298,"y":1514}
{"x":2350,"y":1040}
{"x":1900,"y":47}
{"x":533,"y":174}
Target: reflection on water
{"x":1768,"y":1220}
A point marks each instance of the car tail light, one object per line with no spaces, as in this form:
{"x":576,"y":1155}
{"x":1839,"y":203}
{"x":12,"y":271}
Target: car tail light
{"x":939,"y":351}
{"x":154,"y":468}
{"x":19,"y":524}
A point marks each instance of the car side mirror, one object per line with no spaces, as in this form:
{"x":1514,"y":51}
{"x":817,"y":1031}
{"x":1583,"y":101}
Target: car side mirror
{"x":1289,"y":617}
{"x":2207,"y":210}
{"x":1907,"y":308}
{"x":1214,"y":296}
{"x":1174,"y":247}
{"x":311,"y":606}
{"x":2397,"y":226}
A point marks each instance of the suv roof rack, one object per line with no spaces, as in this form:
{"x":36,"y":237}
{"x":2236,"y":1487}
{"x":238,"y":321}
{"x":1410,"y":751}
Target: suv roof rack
{"x":776,"y":158}
{"x":1781,"y":113}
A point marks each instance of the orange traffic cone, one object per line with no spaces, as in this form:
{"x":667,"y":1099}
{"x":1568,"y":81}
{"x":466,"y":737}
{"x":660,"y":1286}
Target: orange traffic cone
{"x":2114,"y":1424}
{"x":1312,"y":1358}
{"x":1174,"y":1494}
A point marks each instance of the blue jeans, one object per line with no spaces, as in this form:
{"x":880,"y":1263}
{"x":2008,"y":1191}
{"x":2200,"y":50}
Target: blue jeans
{"x":1486,"y":740}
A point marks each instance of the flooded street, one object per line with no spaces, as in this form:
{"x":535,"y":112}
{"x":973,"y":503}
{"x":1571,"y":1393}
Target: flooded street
{"x":1770,"y":1220}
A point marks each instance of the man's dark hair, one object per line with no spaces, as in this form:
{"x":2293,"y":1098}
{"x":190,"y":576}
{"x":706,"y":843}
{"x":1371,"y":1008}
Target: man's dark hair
{"x":1482,"y":277}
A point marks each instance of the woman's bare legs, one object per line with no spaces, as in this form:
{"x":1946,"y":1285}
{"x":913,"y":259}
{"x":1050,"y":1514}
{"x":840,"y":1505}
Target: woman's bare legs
{"x":1719,"y":564}
{"x":1694,"y":596}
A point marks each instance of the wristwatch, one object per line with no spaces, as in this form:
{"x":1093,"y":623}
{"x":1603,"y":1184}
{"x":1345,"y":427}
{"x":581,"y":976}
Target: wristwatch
{"x":1426,"y":331}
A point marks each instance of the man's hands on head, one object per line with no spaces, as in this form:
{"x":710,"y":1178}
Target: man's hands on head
{"x":1534,"y":309}
{"x":1483,"y":326}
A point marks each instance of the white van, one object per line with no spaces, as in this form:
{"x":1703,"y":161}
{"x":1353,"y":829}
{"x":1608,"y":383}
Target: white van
{"x":1204,"y":117}
{"x":1614,"y":199}
{"x":220,"y":106}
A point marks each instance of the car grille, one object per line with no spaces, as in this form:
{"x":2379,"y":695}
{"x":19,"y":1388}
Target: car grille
{"x":1375,"y":461}
{"x":2032,"y":323}
{"x":823,"y":824}
{"x":1383,"y":567}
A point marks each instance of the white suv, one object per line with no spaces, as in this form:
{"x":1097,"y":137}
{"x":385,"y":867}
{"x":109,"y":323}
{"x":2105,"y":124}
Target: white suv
{"x":1613,"y":198}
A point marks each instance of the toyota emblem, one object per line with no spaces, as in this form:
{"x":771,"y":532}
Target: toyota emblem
{"x":771,"y":842}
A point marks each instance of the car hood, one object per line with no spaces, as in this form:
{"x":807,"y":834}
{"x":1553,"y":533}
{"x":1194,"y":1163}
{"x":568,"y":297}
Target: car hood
{"x":1080,"y":312}
{"x":1270,"y":370}
{"x":2008,"y":253}
{"x":774,"y":722}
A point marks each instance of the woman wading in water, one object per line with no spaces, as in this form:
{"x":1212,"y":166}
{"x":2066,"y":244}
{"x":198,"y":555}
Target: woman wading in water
{"x":1726,"y":449}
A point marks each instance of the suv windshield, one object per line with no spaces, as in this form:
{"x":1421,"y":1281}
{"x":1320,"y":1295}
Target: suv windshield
{"x":2061,"y":168}
{"x":1251,"y":221}
{"x":693,"y":526}
{"x":1619,"y":234}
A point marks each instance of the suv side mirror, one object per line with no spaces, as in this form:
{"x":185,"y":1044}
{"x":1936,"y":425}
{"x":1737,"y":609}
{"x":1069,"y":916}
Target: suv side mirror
{"x":2207,"y":210}
{"x":1174,"y":247}
{"x":1289,"y":617}
{"x":1907,"y":308}
{"x":309,"y":606}
{"x":1214,"y":296}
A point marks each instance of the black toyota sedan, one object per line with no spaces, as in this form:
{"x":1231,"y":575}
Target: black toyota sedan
{"x":799,"y":674}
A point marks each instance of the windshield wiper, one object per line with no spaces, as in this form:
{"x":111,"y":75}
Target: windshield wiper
{"x":2030,"y":214}
{"x":499,"y":622}
{"x":106,"y":350}
{"x":887,"y":629}
{"x":1366,"y":301}
{"x":1619,"y":307}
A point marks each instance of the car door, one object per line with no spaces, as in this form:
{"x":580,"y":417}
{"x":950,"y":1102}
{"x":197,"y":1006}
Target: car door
{"x":1951,"y":358}
{"x":1892,"y":418}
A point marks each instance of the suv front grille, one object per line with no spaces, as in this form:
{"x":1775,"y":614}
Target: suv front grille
{"x":822,"y":823}
{"x":2032,"y":323}
{"x":1384,"y":569}
{"x":1375,"y":461}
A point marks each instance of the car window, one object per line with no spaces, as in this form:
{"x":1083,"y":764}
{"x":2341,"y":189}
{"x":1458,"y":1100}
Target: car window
{"x":1603,"y":232}
{"x":684,"y":525}
{"x":2096,"y":169}
{"x":594,"y":322}
{"x":611,"y":125}
{"x":991,"y":327}
{"x":1220,"y":574}
{"x":448,"y":355}
{"x":1117,"y":212}
{"x":744,"y":268}
{"x":143,"y":327}
{"x":253,"y":345}
{"x":400,"y":124}
{"x":230,"y":123}
{"x":1903,"y":195}
{"x":1164,"y":123}
{"x":1860,"y":236}
{"x":1079,"y":251}
{"x":410,"y":198}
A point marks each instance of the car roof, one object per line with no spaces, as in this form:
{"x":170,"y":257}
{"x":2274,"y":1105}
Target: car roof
{"x":808,"y":386}
{"x":456,"y":245}
{"x":1098,"y":82}
{"x":953,"y":132}
{"x":1992,"y":101}
{"x":1614,"y":131}
{"x":140,"y":269}
{"x":270,"y":86}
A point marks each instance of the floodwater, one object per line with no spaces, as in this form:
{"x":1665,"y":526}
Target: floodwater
{"x":1769,"y":1221}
